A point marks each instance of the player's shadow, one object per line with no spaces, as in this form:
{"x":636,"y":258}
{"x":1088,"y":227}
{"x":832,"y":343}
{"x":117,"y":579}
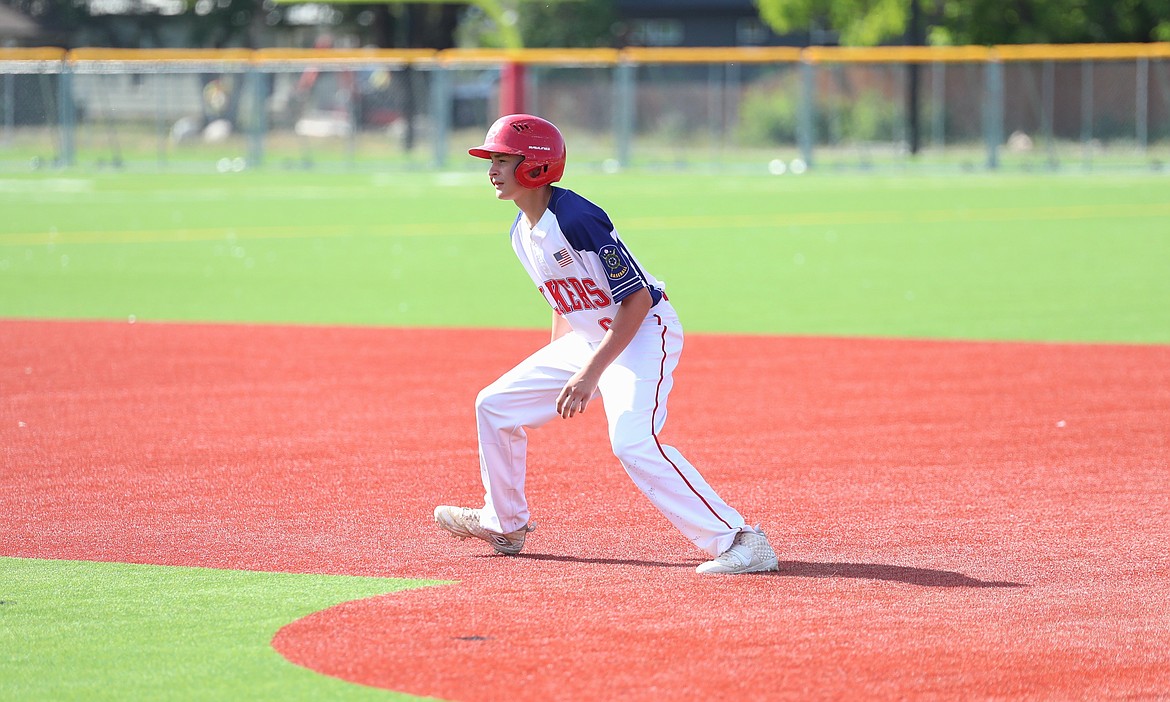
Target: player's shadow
{"x":925,"y":577}
{"x":601,"y":561}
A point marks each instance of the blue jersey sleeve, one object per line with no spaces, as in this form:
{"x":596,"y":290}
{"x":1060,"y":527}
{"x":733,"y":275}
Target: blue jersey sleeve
{"x":589,"y":229}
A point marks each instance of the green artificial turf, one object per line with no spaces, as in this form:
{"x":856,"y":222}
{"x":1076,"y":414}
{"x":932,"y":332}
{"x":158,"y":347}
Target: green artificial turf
{"x":982,"y":256}
{"x":77,"y":630}
{"x":989,"y":256}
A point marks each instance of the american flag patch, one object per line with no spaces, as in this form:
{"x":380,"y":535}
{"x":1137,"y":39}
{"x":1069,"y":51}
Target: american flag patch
{"x":563,"y":258}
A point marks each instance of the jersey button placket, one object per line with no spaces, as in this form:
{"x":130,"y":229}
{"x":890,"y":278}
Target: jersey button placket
{"x":538,"y":253}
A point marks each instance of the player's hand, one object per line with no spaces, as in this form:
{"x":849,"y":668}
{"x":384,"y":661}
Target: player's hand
{"x":576,"y":394}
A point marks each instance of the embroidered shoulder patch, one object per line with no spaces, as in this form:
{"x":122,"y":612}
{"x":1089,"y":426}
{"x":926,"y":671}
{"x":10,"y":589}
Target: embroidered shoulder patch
{"x":615,"y":264}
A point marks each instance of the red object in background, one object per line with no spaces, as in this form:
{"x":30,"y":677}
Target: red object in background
{"x":512,"y":89}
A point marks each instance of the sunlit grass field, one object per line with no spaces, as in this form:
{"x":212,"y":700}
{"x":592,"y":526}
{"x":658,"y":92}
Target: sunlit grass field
{"x":116,"y":631}
{"x":1076,"y":258}
{"x":982,"y":256}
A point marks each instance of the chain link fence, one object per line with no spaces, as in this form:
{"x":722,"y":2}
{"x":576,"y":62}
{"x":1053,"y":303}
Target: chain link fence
{"x":777,"y":109}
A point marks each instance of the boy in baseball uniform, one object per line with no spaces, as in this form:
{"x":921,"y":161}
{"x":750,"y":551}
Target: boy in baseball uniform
{"x":614,"y":335}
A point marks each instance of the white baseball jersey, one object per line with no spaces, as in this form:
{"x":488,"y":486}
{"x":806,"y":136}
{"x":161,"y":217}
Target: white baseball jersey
{"x":584,"y":271}
{"x":577,"y":260}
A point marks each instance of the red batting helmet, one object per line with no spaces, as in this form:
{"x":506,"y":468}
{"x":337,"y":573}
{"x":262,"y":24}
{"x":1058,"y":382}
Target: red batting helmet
{"x":537,"y":141}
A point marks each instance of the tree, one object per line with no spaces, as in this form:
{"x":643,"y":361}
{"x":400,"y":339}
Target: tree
{"x":859,"y":22}
{"x":1051,"y":21}
{"x":539,"y":23}
{"x":870,"y":22}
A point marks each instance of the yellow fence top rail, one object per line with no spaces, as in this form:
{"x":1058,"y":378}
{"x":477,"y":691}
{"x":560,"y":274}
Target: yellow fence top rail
{"x":895,"y":54}
{"x":742,"y":54}
{"x":316,"y":56}
{"x":1076,"y":52}
{"x":529,"y":56}
{"x":160,"y":55}
{"x":606,"y":57}
{"x":40,"y":53}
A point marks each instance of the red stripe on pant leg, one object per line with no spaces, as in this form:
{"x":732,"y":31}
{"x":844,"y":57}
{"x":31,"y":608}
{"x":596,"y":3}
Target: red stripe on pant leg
{"x":654,"y":430}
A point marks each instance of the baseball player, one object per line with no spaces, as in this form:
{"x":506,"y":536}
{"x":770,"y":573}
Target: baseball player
{"x":614,"y":335}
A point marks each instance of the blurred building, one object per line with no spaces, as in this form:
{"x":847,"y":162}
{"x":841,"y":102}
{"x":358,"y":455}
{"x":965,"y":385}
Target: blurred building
{"x":161,"y":23}
{"x":16,"y":29}
{"x":704,"y":23}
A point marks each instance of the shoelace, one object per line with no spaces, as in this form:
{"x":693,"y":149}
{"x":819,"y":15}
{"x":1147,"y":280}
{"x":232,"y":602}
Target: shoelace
{"x":737,"y":555}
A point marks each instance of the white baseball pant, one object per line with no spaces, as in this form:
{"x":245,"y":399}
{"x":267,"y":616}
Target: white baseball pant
{"x":634,"y":389}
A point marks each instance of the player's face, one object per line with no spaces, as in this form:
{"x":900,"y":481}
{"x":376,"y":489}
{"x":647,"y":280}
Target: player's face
{"x":502,"y":173}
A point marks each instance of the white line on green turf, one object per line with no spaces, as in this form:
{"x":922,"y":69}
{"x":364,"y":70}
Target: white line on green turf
{"x":648,"y":224}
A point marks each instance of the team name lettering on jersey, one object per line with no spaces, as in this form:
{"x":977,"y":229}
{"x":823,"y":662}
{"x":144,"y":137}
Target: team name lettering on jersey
{"x":573,"y":294}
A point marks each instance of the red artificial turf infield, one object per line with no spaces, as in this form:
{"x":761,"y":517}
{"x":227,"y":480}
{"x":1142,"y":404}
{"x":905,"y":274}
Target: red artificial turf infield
{"x":954,"y":520}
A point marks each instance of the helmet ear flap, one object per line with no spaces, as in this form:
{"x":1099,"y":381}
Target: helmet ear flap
{"x":533,"y":175}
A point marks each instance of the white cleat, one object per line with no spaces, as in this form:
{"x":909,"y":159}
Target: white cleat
{"x":749,"y":553}
{"x":463,"y":523}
